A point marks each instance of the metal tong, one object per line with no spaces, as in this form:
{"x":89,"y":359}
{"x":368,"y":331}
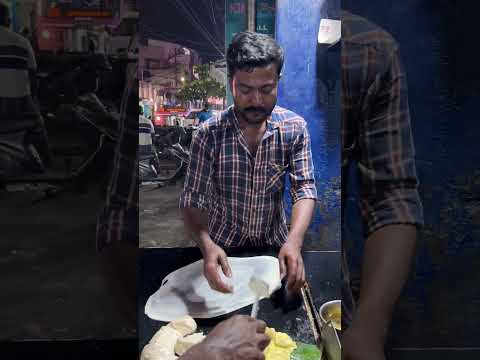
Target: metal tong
{"x":324,"y":332}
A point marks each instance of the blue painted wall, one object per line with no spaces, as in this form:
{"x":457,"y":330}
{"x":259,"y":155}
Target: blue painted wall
{"x":440,"y":306}
{"x":297,"y":23}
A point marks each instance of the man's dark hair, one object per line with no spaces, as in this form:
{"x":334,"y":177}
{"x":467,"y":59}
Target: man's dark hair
{"x":250,"y":49}
{"x":4,"y":15}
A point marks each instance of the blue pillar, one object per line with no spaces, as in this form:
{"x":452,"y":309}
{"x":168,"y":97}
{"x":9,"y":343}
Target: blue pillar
{"x":318,"y":101}
{"x":13,"y":14}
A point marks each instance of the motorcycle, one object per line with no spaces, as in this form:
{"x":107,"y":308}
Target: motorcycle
{"x":74,"y":113}
{"x":169,"y":159}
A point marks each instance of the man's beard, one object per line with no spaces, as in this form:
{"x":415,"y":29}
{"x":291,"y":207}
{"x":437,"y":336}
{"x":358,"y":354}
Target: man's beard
{"x":254,"y":115}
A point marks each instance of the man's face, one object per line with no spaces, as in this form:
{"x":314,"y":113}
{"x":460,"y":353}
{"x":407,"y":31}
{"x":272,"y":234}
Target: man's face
{"x":255,"y":92}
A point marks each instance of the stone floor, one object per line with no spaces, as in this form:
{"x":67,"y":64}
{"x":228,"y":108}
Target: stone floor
{"x":53,"y":286}
{"x":160,"y":221}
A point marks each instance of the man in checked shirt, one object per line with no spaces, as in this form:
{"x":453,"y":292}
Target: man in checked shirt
{"x":377,"y":139}
{"x":233,"y":193}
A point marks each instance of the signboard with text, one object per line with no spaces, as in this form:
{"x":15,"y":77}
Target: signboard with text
{"x":81,"y":8}
{"x":265,"y":17}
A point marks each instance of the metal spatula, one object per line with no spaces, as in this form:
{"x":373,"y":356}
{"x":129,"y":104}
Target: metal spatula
{"x":260,"y":288}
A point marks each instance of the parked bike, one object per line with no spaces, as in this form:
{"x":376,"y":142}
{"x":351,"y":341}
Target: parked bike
{"x":73,"y":113}
{"x":170,"y":157}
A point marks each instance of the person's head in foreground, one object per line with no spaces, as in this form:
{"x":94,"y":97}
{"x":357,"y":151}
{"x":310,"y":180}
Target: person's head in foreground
{"x":4,"y":15}
{"x":254,"y":65}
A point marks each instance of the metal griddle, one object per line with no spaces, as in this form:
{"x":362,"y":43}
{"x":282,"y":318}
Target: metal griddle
{"x":321,"y":267}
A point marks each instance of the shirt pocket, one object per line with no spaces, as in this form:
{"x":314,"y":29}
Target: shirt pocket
{"x":275,"y":177}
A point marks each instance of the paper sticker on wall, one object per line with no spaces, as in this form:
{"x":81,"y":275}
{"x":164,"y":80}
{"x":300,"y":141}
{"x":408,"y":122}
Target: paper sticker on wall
{"x":329,"y":31}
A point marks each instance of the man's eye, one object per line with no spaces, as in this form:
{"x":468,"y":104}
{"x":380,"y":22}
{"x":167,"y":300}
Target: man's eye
{"x":244,"y":90}
{"x":267,"y":89}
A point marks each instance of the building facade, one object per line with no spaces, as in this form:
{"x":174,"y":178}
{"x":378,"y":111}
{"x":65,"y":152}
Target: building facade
{"x":164,"y":67}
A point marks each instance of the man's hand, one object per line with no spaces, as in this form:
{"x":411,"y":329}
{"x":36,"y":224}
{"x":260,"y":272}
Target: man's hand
{"x":365,"y":338}
{"x":213,"y":257}
{"x":291,"y":265}
{"x":238,"y":338}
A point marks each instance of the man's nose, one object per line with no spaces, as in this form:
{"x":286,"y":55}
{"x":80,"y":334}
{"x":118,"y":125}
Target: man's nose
{"x":257,"y":98}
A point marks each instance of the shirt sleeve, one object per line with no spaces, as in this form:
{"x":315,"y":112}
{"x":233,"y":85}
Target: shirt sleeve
{"x":32,"y":63}
{"x":388,"y":180}
{"x":301,"y":174}
{"x":200,"y":169}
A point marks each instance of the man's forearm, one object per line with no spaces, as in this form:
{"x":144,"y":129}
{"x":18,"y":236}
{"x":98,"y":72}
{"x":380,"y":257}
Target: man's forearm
{"x":386,"y":264}
{"x":196,"y":221}
{"x":302,"y":212}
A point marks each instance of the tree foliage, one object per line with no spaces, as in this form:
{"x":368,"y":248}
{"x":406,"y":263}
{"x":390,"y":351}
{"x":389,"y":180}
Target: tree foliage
{"x":203,"y":87}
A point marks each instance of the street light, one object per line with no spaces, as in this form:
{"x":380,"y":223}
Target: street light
{"x":182,"y":79}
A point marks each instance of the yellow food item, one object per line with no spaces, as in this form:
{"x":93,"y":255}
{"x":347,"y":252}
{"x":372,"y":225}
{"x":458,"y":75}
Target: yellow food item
{"x":185,"y":325}
{"x":166,"y":337}
{"x":156,"y":352}
{"x":165,"y":340}
{"x":270,"y":332}
{"x":281,"y":345}
{"x":185,"y":343}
